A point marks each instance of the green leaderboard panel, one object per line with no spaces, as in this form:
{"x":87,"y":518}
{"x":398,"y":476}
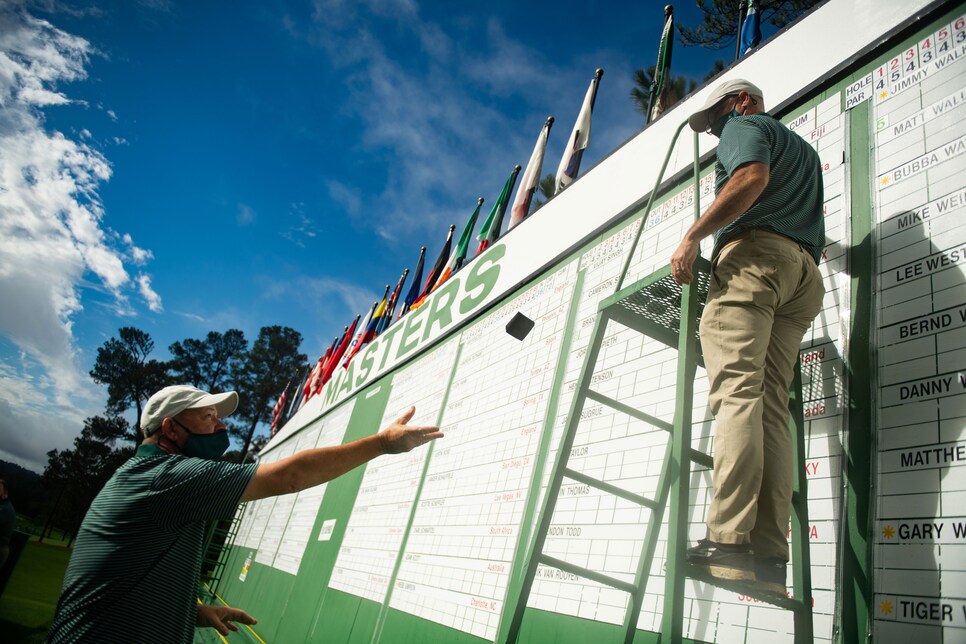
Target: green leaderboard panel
{"x":431,"y":546}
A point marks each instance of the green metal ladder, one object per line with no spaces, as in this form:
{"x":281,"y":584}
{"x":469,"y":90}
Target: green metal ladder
{"x":219,"y":538}
{"x":657,"y":307}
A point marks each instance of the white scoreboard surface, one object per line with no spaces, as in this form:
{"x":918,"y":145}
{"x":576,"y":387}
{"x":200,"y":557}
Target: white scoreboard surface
{"x":919,"y":130}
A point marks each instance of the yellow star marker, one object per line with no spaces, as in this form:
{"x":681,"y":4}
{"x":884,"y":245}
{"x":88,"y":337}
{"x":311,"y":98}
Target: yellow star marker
{"x":886,"y":607}
{"x":888,"y":532}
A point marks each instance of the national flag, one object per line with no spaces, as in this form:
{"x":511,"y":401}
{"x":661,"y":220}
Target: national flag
{"x":490,"y":229}
{"x":328,"y":356}
{"x":386,"y":319}
{"x":277,"y":411}
{"x":370,"y":331}
{"x":455,"y":261}
{"x":531,"y":177}
{"x":339,"y":352}
{"x":316,"y":377}
{"x":309,"y":389}
{"x":437,"y":270}
{"x":579,"y":138}
{"x":357,"y":340}
{"x":413,"y":293}
{"x":751,"y":28}
{"x":661,"y":81}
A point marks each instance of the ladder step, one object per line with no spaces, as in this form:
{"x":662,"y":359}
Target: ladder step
{"x":746,"y":588}
{"x":701,"y":458}
{"x":593,"y":575}
{"x":630,"y":411}
{"x":651,"y":504}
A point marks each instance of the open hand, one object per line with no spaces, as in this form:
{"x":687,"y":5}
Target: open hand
{"x":399,"y":437}
{"x":220,"y":618}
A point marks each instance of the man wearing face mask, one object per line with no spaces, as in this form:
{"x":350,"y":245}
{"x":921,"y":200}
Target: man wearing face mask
{"x":769,"y":231}
{"x":136,"y":566}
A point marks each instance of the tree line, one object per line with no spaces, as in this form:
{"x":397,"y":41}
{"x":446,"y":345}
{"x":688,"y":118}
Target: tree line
{"x":124,"y":364}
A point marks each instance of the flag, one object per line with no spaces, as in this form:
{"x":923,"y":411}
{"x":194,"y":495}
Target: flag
{"x":279,"y":408}
{"x":579,"y":138}
{"x":413,"y":294}
{"x":386,"y":319}
{"x":490,"y":230}
{"x":296,"y":401}
{"x":660,"y":82}
{"x":751,"y":28}
{"x":455,"y":261}
{"x":531,"y":177}
{"x":343,"y":345}
{"x":357,"y":340}
{"x":312,"y":386}
{"x":437,"y":270}
{"x":327,"y":357}
{"x":308,"y":389}
{"x":369,"y":330}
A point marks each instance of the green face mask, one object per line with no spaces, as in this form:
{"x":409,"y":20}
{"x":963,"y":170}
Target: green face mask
{"x":718,"y":127}
{"x":209,"y":446}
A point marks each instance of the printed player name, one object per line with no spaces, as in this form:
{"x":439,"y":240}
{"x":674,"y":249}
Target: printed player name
{"x":941,"y":530}
{"x":931,"y":324}
{"x":920,"y":164}
{"x":921,"y":610}
{"x":918,"y":216}
{"x":886,"y":132}
{"x":924,"y":458}
{"x":924,"y":389}
{"x":926,"y":266}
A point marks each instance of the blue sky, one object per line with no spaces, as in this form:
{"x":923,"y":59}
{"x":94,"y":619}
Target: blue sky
{"x":182,"y":168}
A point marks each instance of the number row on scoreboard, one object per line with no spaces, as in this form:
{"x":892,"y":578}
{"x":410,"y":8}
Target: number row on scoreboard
{"x":933,"y":46}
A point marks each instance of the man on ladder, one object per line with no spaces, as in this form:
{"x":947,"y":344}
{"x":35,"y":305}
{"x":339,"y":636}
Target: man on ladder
{"x":769,"y":230}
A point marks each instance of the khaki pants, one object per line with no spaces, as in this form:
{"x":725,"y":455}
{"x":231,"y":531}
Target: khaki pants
{"x":764,"y":293}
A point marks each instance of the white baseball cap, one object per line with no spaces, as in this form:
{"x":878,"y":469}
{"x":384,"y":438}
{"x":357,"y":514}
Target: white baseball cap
{"x":699,"y":120}
{"x":173,"y":400}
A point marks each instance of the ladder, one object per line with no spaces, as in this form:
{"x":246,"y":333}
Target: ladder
{"x":657,"y":307}
{"x":219,"y":538}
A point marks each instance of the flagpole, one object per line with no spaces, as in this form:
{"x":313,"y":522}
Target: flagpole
{"x":498,"y":224}
{"x":414,"y":290}
{"x":659,"y":65}
{"x":742,"y":12}
{"x":598,"y":74}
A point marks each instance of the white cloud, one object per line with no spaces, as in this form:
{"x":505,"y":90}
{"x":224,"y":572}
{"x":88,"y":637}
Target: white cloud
{"x":53,"y":239}
{"x":138,"y":256}
{"x":152,"y":299}
{"x":245,"y":215}
{"x":426,"y":100}
{"x":345,"y":196}
{"x":304,"y":227}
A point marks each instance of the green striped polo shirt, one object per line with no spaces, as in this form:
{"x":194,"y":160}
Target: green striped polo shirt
{"x":792,"y":203}
{"x":134,"y":573}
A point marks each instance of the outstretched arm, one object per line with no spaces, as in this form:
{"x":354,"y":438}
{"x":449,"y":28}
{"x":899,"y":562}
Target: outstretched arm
{"x":316,"y":466}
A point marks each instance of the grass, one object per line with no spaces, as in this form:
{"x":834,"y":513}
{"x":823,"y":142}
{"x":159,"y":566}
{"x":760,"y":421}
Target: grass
{"x":28,"y":603}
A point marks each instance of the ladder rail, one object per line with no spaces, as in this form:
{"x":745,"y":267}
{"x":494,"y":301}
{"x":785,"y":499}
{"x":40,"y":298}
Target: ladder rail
{"x":650,"y":202}
{"x":553,"y":487}
{"x":801,"y":556}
